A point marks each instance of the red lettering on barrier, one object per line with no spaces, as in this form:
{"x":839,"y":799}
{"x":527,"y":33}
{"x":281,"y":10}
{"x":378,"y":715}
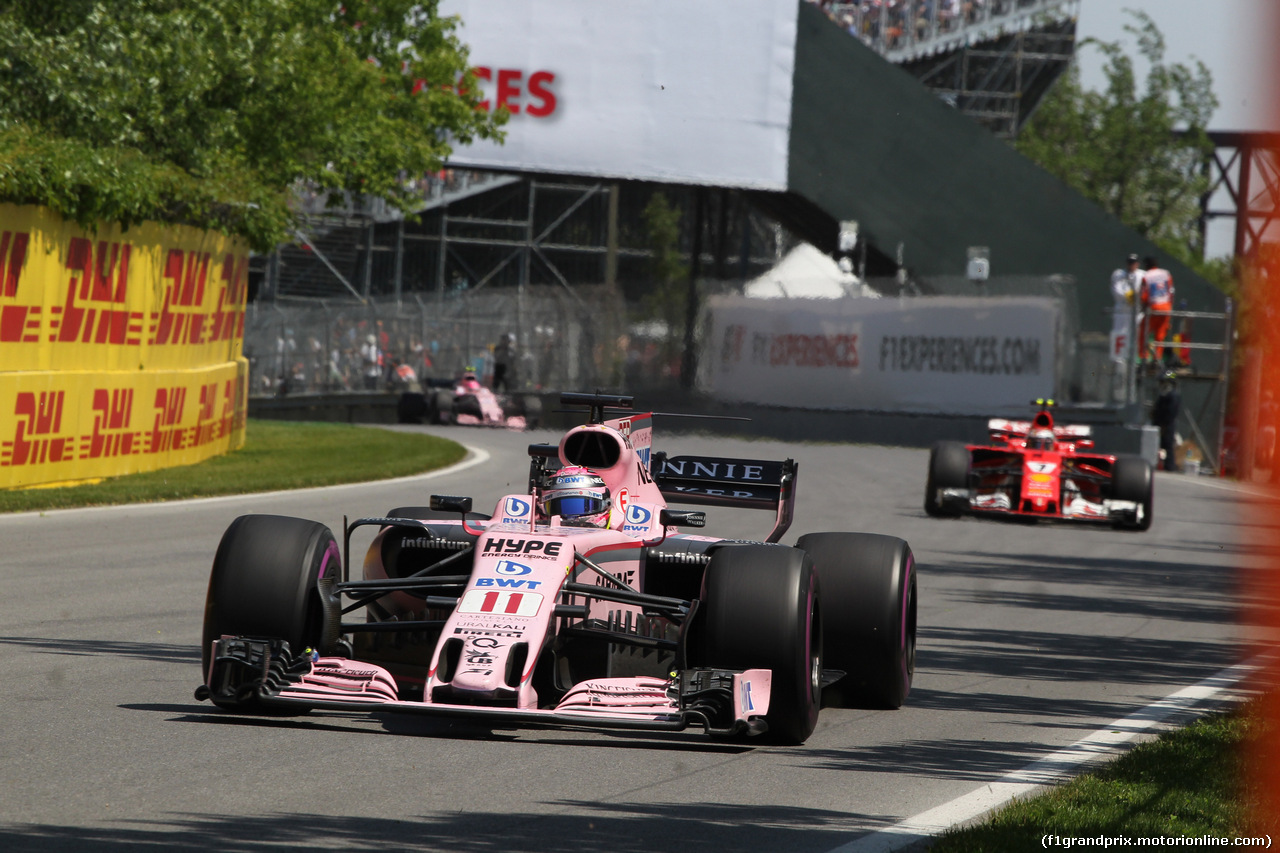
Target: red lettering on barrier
{"x":39,"y":418}
{"x":13,"y":254}
{"x":169,"y":404}
{"x":186,"y":274}
{"x":113,"y":410}
{"x":814,"y":350}
{"x":100,"y":278}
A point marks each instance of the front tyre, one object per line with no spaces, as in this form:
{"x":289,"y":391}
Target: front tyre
{"x":869,"y":603}
{"x":948,"y":469}
{"x":1132,"y":480}
{"x":263,"y":584}
{"x":760,"y":609}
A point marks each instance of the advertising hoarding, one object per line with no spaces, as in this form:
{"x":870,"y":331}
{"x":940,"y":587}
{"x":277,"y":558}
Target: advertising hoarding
{"x":938,"y":355}
{"x":666,"y":90}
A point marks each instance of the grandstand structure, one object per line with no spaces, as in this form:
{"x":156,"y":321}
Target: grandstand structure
{"x":993,"y":60}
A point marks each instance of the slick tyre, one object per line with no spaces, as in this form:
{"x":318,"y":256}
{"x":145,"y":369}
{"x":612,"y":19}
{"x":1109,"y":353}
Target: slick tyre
{"x":760,"y":609}
{"x":440,"y":410}
{"x":948,"y":469}
{"x":869,"y":603}
{"x":1132,"y":480}
{"x":532,"y":412}
{"x":263,"y":584}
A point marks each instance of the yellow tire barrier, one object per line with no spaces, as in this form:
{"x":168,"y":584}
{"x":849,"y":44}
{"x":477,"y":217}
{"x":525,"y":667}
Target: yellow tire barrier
{"x":120,"y":351}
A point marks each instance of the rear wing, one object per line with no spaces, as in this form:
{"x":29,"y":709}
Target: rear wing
{"x":739,"y":483}
{"x":1001,"y":428}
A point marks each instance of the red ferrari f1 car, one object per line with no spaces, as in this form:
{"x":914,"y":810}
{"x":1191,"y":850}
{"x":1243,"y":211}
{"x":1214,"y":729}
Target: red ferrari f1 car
{"x":577,"y":602}
{"x":1036,"y":469}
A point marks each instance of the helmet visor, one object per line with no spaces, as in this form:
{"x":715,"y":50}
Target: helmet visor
{"x":570,"y":506}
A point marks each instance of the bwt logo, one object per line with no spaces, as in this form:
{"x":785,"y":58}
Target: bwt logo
{"x":507,"y":567}
{"x":638,"y":515}
{"x":517,"y":508}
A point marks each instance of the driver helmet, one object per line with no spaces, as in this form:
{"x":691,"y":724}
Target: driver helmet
{"x":469,"y":379}
{"x":1041,"y":439}
{"x":579,"y":496}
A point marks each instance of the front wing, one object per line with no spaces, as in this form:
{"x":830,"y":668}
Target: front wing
{"x":721,"y":702}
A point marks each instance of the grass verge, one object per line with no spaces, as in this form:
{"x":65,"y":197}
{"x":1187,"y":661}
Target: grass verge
{"x":1188,"y":782}
{"x":276,"y":455}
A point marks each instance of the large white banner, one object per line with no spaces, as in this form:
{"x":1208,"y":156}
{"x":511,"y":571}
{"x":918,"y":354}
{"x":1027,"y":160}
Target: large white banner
{"x":951,"y":355}
{"x":661,"y":90}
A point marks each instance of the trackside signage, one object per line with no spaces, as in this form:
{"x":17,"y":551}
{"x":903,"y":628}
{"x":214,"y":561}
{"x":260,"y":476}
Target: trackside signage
{"x":950,"y":355}
{"x":664,"y":90}
{"x":120,"y":351}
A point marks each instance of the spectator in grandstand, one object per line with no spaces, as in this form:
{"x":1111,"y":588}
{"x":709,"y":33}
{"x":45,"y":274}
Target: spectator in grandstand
{"x":371,"y":359}
{"x":1157,"y":302}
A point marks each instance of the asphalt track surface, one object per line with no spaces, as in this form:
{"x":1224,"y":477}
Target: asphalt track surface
{"x":1031,"y":638}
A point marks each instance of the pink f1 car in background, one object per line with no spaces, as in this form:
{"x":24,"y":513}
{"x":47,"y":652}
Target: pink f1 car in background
{"x":522,"y":618}
{"x":1038,"y":469}
{"x":468,"y":402}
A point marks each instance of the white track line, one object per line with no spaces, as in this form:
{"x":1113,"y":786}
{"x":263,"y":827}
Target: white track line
{"x":1047,"y":770}
{"x":475,"y":456}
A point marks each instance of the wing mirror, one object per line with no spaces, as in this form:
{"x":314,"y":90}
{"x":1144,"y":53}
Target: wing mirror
{"x":682,"y":518}
{"x":450,"y":503}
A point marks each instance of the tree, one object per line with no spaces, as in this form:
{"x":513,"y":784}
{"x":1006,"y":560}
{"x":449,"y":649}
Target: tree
{"x":1138,"y":156}
{"x":211,"y":111}
{"x":665,"y":300}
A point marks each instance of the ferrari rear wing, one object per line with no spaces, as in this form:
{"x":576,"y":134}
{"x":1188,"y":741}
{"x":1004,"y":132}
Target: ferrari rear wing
{"x":1004,"y":428}
{"x":740,"y":483}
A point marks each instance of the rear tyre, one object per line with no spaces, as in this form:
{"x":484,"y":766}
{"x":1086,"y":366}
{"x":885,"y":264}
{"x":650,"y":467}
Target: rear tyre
{"x":263,"y":584}
{"x":869,"y":603}
{"x":532,"y":412}
{"x":1132,"y":480}
{"x":441,"y":408}
{"x":948,"y":469}
{"x":760,"y":609}
{"x":402,"y":549}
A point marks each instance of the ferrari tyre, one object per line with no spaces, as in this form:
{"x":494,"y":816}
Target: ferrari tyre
{"x":263,"y":584}
{"x":868,"y":586}
{"x":948,"y":469}
{"x":760,"y":609}
{"x":1132,"y":480}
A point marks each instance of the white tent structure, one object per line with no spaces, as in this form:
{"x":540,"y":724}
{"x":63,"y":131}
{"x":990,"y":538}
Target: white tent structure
{"x":807,"y":273}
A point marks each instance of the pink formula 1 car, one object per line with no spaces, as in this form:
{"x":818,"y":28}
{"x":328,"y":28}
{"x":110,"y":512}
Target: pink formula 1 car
{"x":1037,"y":469}
{"x":577,"y":602}
{"x":468,"y":402}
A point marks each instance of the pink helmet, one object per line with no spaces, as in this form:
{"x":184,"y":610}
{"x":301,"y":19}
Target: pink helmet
{"x":579,"y":496}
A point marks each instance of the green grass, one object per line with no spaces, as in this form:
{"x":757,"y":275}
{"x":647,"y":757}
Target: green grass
{"x":1185,"y":783}
{"x":276,"y":455}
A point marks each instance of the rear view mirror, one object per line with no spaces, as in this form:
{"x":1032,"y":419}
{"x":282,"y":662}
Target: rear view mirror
{"x":682,"y":518}
{"x":450,"y":503}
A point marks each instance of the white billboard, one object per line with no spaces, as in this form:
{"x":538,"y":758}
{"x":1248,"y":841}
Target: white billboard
{"x":663,"y":90}
{"x":950,"y":355}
